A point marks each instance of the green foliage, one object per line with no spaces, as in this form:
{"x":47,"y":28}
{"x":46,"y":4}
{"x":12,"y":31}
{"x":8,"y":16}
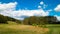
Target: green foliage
{"x":5,"y":19}
{"x":39,"y":20}
{"x":31,"y":20}
{"x":53,"y":28}
{"x":34,"y":24}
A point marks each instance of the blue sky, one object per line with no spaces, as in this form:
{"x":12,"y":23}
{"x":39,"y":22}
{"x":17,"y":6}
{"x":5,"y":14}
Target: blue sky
{"x":47,"y":7}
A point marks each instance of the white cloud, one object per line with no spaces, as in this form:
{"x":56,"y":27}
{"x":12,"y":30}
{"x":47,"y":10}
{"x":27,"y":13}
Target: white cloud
{"x":58,"y":17}
{"x":8,"y":9}
{"x":41,"y":2}
{"x":30,"y":12}
{"x":43,"y":5}
{"x":20,"y":13}
{"x":39,"y":7}
{"x":57,"y":8}
{"x":8,"y":6}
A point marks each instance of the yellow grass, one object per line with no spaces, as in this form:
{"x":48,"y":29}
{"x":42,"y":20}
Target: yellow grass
{"x":28,"y":27}
{"x":25,"y":28}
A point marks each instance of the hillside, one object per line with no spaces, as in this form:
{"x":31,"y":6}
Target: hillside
{"x":5,"y":19}
{"x":31,"y":20}
{"x":41,"y":20}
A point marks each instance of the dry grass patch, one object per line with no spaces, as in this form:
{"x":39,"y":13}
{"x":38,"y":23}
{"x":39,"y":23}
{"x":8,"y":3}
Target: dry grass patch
{"x":22,"y":28}
{"x":28,"y":27}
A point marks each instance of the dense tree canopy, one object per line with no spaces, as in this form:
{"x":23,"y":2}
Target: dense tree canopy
{"x":4,"y":19}
{"x":31,"y":20}
{"x":40,"y":20}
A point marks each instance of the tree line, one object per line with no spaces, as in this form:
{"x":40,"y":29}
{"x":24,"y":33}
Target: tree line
{"x":41,"y":20}
{"x":31,"y":20}
{"x":5,"y":19}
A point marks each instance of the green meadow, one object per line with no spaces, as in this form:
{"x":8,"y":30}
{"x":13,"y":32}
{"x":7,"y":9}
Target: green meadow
{"x":53,"y":28}
{"x":28,"y":29}
{"x":21,"y":29}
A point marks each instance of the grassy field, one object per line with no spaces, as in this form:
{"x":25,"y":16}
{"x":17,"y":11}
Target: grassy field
{"x":53,"y":28}
{"x":21,"y":29}
{"x":28,"y":29}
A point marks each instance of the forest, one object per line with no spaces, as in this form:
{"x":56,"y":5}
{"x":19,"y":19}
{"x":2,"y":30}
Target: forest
{"x":31,"y":20}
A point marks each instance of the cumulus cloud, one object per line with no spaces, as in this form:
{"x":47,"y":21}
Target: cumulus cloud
{"x":57,"y":8}
{"x":41,"y":2}
{"x":8,"y":9}
{"x":39,"y":7}
{"x":30,"y":12}
{"x":8,"y":6}
{"x":19,"y":13}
